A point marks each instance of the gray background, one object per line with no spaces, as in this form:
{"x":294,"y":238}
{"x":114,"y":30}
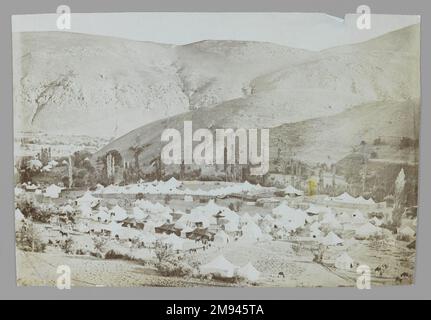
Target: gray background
{"x":8,"y":289}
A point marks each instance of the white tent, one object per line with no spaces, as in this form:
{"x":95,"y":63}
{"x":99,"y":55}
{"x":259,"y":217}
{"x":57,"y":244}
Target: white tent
{"x":152,"y":208}
{"x":102,"y":215}
{"x":86,"y":211}
{"x":150,"y":226}
{"x":282,"y":210}
{"x":138,"y":214}
{"x":406,"y":232}
{"x":376,"y":221}
{"x":291,"y":219}
{"x":331,"y":240}
{"x":344,"y":261}
{"x":221,"y":238}
{"x":362,"y":200}
{"x":18,"y":215}
{"x":87,"y":200}
{"x":82,"y":227}
{"x":316,"y":234}
{"x":173,"y":240}
{"x":249,"y":272}
{"x":246,"y":218}
{"x":345,"y":217}
{"x":219,"y":266}
{"x":331,"y":221}
{"x":53,"y":191}
{"x":315,"y":226}
{"x":358,"y":217}
{"x":119,"y":214}
{"x":231,"y":227}
{"x":211,"y":209}
{"x":188,"y":198}
{"x":268,"y":218}
{"x":251,"y":232}
{"x":289,"y":190}
{"x":313,"y":210}
{"x":256,"y":218}
{"x":367,"y":230}
{"x":148,"y":238}
{"x":346,"y":198}
{"x":186,"y":230}
{"x":67,"y":209}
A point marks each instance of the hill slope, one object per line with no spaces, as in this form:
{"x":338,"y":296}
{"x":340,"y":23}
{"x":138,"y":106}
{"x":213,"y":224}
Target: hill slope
{"x":323,"y":108}
{"x":111,"y":86}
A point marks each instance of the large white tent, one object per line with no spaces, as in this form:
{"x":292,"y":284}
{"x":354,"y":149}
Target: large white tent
{"x":249,"y":272}
{"x":19,"y":216}
{"x":174,"y":241}
{"x":118,"y":213}
{"x":53,"y":191}
{"x":87,"y":200}
{"x":367,"y":230}
{"x":291,"y":191}
{"x":138,"y":213}
{"x":219,"y":266}
{"x":221,"y":238}
{"x":251,"y":232}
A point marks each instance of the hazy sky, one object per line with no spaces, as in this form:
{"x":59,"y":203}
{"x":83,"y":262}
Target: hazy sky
{"x":313,"y":31}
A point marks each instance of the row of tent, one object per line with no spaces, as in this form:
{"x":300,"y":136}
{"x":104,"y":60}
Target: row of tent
{"x":175,"y":187}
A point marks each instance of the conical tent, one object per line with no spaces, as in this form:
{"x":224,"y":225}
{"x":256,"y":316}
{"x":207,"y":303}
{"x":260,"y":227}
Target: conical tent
{"x":87,"y":200}
{"x":138,"y":214}
{"x":219,"y":266}
{"x":345,"y":197}
{"x":119,"y":213}
{"x":221,"y":237}
{"x":251,"y":232}
{"x":344,"y":261}
{"x":367,"y":230}
{"x":332,"y":240}
{"x":174,"y":241}
{"x":18,"y":215}
{"x":246,"y":218}
{"x":293,"y":191}
{"x":249,"y":272}
{"x":407,"y":232}
{"x":102,"y":215}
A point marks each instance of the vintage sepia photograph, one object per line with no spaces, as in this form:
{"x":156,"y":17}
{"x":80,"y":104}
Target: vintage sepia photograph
{"x":216,"y":149}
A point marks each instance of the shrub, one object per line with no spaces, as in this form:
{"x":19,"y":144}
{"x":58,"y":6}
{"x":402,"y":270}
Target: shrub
{"x":174,"y":268}
{"x":113,"y":255}
{"x":99,"y":245}
{"x":168,"y":198}
{"x":28,"y":239}
{"x":404,"y":238}
{"x":34,"y":211}
{"x":67,"y":246}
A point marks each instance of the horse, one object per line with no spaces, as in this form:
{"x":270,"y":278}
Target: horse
{"x":63,"y":234}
